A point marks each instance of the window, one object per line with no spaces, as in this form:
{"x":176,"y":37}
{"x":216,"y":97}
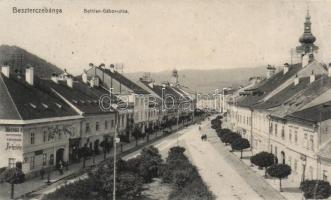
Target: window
{"x":271,"y":148}
{"x":96,"y":126}
{"x":87,"y":128}
{"x":32,"y":137}
{"x":44,"y":159}
{"x":106,"y":124}
{"x":32,"y":162}
{"x":271,"y":128}
{"x":295,"y":137}
{"x":44,"y":136}
{"x":112,"y":123}
{"x":11,"y":162}
{"x":295,"y":165}
{"x":306,"y":141}
{"x":276,"y":129}
{"x":283,"y":133}
{"x":122,"y":120}
{"x":312,"y":142}
{"x":290,"y":135}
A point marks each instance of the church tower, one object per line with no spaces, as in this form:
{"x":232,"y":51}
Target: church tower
{"x":307,"y":39}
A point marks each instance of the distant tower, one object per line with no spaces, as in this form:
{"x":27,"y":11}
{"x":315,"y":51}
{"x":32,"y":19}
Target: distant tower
{"x":307,"y":39}
{"x":175,"y":77}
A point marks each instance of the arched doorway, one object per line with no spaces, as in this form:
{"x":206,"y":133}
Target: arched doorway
{"x":282,"y":157}
{"x":59,"y":156}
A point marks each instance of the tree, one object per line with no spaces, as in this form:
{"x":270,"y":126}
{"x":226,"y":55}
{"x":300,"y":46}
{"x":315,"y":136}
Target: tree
{"x":279,"y":171}
{"x":84,"y":152}
{"x":222,"y":132}
{"x":150,"y":162}
{"x":13,"y":176}
{"x":263,"y":160}
{"x":315,"y":189}
{"x":230,"y":137}
{"x":240,"y":144}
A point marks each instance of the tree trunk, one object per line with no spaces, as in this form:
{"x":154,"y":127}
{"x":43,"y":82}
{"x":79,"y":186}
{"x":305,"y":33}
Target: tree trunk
{"x":12,"y":191}
{"x":241,"y":154}
{"x":265,"y":172}
{"x":84,"y":159}
{"x":104,"y":154}
{"x":280,"y":185}
{"x":136,"y":141}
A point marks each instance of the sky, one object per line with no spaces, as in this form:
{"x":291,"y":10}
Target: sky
{"x":159,"y":35}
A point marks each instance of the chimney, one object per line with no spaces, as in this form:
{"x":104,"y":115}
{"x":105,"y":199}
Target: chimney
{"x":54,"y":78}
{"x":5,"y":70}
{"x":112,"y":68}
{"x":29,"y":75}
{"x":312,"y":77}
{"x":296,"y":80}
{"x":84,"y":77}
{"x":70,"y":82}
{"x":329,"y":70}
{"x":286,"y":68}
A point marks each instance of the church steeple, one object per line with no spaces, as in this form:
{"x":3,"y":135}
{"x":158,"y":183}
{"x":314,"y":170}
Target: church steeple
{"x":307,"y":39}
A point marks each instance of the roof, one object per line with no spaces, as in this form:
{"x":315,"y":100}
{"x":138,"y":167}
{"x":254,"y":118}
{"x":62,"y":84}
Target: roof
{"x":285,"y":94}
{"x":81,"y":95}
{"x":266,"y":86}
{"x":317,"y":113}
{"x":21,"y":101}
{"x":302,"y":98}
{"x":125,"y":81}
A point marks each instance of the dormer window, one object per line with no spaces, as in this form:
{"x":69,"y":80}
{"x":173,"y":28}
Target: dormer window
{"x":44,"y":105}
{"x":75,"y":101}
{"x":33,"y":106}
{"x":82,"y":101}
{"x":58,"y":105}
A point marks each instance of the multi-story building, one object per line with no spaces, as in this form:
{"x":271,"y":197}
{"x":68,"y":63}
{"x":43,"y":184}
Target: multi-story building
{"x":136,"y":98}
{"x":36,"y":127}
{"x":287,"y":114}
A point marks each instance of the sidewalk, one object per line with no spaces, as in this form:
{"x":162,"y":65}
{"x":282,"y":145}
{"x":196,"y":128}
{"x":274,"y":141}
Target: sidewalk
{"x":35,"y":184}
{"x":290,"y":187}
{"x":242,"y":167}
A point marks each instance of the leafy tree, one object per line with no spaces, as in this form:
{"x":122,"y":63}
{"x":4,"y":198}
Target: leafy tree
{"x":84,"y":153}
{"x":150,"y":162}
{"x":222,"y":132}
{"x":263,"y":160}
{"x":240,"y":144}
{"x":13,"y":176}
{"x":315,"y":189}
{"x":279,"y":171}
{"x":129,"y":185}
{"x":230,"y":137}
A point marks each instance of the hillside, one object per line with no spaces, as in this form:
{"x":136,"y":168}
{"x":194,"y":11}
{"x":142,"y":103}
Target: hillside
{"x":206,"y":81}
{"x":19,"y":58}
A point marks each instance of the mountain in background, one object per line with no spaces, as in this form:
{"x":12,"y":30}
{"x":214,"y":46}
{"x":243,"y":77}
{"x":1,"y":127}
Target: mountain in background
{"x":202,"y":81}
{"x":206,"y":81}
{"x":19,"y":58}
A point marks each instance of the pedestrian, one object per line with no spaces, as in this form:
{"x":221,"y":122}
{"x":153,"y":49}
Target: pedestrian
{"x":42,"y":173}
{"x":61,"y":168}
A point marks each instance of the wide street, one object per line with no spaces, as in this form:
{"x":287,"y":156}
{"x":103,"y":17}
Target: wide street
{"x":226,"y":175}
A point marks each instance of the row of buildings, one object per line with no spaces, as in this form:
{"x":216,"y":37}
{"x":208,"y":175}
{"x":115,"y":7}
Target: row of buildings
{"x":289,"y":113}
{"x":46,"y":121}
